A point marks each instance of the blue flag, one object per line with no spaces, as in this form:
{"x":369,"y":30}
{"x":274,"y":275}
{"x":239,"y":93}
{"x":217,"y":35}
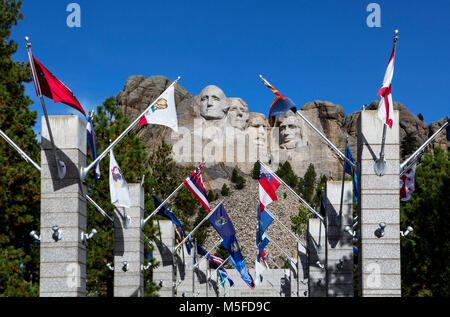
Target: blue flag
{"x":222,"y":222}
{"x":91,"y":142}
{"x":264,"y":220}
{"x":447,"y":131}
{"x":167,"y":213}
{"x":231,"y":244}
{"x":323,"y":210}
{"x":241,"y":267}
{"x":348,"y":169}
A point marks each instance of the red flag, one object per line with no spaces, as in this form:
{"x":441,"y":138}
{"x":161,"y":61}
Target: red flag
{"x":52,"y":88}
{"x":407,"y":183}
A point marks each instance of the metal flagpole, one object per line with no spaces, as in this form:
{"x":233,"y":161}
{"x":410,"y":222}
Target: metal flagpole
{"x":213,"y":248}
{"x":380,"y":164}
{"x":201,"y":222}
{"x":421,"y":148}
{"x":286,"y":228}
{"x":194,"y":253}
{"x":85,"y":170}
{"x":143,"y":222}
{"x":61,"y":167}
{"x":343,"y":183}
{"x":29,"y":160}
{"x":18,"y":149}
{"x":318,"y":132}
{"x":289,"y":257}
{"x":292,"y":191}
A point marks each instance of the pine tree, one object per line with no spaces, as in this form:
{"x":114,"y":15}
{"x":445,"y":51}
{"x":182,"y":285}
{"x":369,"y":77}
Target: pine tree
{"x":286,"y":173}
{"x":109,"y":123}
{"x":256,"y":170}
{"x":225,"y":190}
{"x":309,"y":183}
{"x":408,"y":144}
{"x":19,"y":180}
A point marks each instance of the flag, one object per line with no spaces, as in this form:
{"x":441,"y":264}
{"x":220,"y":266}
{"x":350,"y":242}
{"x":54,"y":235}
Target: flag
{"x":386,"y":106}
{"x":224,"y":227}
{"x":195,"y":185}
{"x":180,"y":236}
{"x":222,"y":275}
{"x":407,"y":183}
{"x":241,"y":267}
{"x":91,"y":142}
{"x":213,"y":261}
{"x":264,"y":220}
{"x":323,"y":208}
{"x":166,"y":212}
{"x":163,"y":112}
{"x":349,"y":170}
{"x":118,"y":187}
{"x":259,"y":269}
{"x":268,"y":184}
{"x":280,"y":105}
{"x":52,"y":88}
{"x":265,"y":241}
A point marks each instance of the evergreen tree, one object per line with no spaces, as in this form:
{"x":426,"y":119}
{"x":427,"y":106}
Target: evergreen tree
{"x":309,"y":183}
{"x":425,"y":252}
{"x":109,"y":123}
{"x":19,"y":180}
{"x":408,"y":144}
{"x":420,"y":116}
{"x":286,"y":173}
{"x":234,"y":175}
{"x":256,"y":170}
{"x":225,"y":190}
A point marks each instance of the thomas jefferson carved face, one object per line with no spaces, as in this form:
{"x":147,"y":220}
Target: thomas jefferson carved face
{"x":238,"y":113}
{"x":290,"y":132}
{"x":213,"y":103}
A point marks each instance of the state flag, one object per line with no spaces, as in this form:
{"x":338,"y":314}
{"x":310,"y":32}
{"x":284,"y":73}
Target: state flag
{"x":268,"y":184}
{"x":280,"y":105}
{"x":407,"y":183}
{"x":54,"y":89}
{"x":118,"y":187}
{"x":195,"y":185}
{"x":163,"y":112}
{"x":91,"y":142}
{"x":386,"y":105}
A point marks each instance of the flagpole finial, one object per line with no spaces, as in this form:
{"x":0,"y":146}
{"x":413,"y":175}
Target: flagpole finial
{"x":395,"y":35}
{"x":178,"y":78}
{"x":27,"y":39}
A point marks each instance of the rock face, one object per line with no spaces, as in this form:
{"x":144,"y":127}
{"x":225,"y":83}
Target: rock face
{"x":221,"y":131}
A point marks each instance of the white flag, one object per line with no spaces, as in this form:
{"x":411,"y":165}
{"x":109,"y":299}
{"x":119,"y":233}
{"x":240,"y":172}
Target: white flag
{"x":163,"y":112}
{"x":386,"y":106}
{"x":407,"y":183}
{"x":118,"y":187}
{"x":259,"y":269}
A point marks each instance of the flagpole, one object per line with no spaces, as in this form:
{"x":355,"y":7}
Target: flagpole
{"x":286,"y":228}
{"x":36,"y":166}
{"x":421,"y":148}
{"x":284,"y":252}
{"x":18,"y":149}
{"x":59,"y":164}
{"x":343,"y":183}
{"x":143,"y":222}
{"x":85,"y":170}
{"x":204,"y":257}
{"x":317,"y":130}
{"x":201,"y":222}
{"x":223,"y":263}
{"x":293,"y":191}
{"x":380,"y":164}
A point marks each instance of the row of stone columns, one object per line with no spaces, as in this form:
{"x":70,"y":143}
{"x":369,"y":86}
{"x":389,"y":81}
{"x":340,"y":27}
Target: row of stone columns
{"x":329,"y":255}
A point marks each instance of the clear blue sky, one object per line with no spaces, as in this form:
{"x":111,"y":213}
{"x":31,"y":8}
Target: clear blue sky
{"x":308,"y":50}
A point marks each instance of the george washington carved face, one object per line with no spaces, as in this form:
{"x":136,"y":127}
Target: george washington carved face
{"x":213,"y":103}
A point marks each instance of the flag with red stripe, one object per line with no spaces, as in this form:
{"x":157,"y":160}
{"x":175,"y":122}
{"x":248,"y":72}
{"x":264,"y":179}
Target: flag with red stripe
{"x":280,"y":105}
{"x":386,"y":106}
{"x":195,"y":185}
{"x":268,"y":184}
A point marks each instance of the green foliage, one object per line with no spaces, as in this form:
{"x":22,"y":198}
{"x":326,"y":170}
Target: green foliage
{"x":225,"y":191}
{"x":256,"y":170}
{"x":408,"y":144}
{"x":210,"y":195}
{"x":420,"y":116}
{"x":130,"y":154}
{"x":238,"y":179}
{"x":318,"y":192}
{"x":19,"y":180}
{"x":425,"y":252}
{"x":309,"y":183}
{"x":286,"y":173}
{"x":299,"y":221}
{"x":201,"y":233}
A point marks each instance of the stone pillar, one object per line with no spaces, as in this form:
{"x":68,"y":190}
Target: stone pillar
{"x":164,"y":274}
{"x":63,"y":204}
{"x":129,"y":246}
{"x":185,"y":264}
{"x":303,"y":272}
{"x":379,"y":257}
{"x":340,"y":243}
{"x":317,"y":252}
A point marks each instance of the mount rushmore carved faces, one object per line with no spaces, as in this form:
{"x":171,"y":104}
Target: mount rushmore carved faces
{"x":257,"y":128}
{"x":290,"y":131}
{"x":238,"y":113}
{"x":213,"y":103}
